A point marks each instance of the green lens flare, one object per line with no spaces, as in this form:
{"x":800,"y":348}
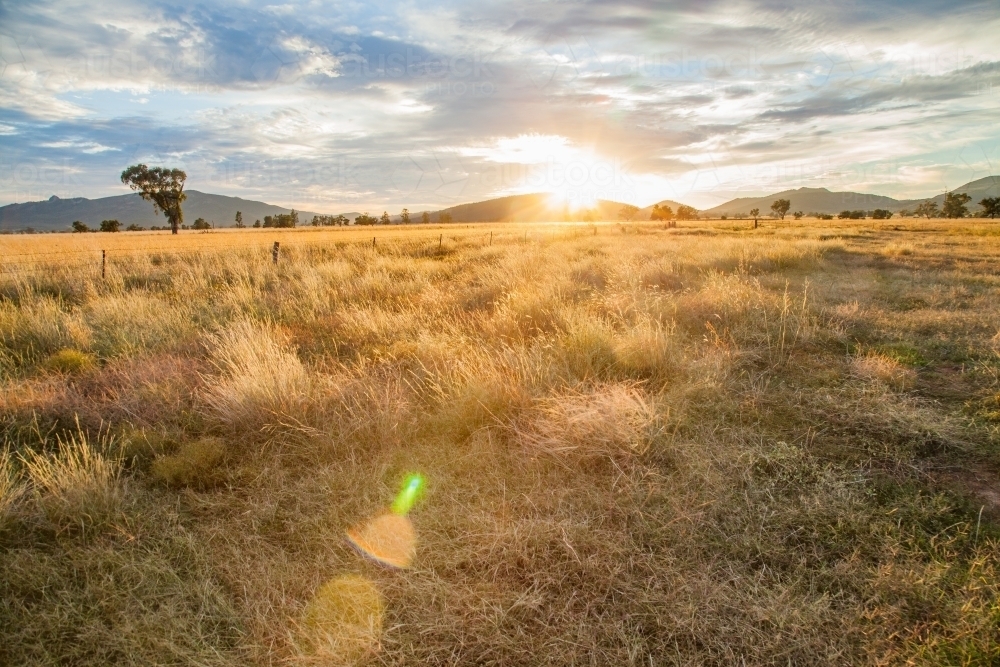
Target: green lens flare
{"x":408,"y":496}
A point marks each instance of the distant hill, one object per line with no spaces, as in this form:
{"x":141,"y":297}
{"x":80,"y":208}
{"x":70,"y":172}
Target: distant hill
{"x":821,"y":200}
{"x":536,"y":207}
{"x":979,"y":189}
{"x":644,"y":213}
{"x":55,"y":214}
{"x":808,"y":200}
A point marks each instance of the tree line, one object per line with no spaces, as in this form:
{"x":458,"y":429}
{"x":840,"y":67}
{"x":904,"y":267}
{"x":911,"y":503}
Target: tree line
{"x":164,"y":188}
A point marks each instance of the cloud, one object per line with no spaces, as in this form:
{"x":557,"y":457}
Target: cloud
{"x":336,"y":106}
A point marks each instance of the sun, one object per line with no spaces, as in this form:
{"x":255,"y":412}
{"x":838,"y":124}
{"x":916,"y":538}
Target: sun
{"x":574,"y":174}
{"x":572,"y":199}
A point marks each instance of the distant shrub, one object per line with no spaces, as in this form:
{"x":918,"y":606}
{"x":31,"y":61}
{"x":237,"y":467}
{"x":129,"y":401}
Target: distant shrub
{"x":69,"y":361}
{"x":110,"y":226}
{"x":201,"y":224}
{"x":881,"y":214}
{"x":195,"y":464}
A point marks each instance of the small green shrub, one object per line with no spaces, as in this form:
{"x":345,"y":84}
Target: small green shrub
{"x":195,"y":464}
{"x":69,"y":361}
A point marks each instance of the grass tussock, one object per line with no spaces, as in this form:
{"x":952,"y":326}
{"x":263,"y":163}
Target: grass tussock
{"x":195,"y":464}
{"x":77,"y":485}
{"x":69,"y":361}
{"x":698,"y":446}
{"x":606,"y":421}
{"x":258,"y":380}
{"x":11,"y":488}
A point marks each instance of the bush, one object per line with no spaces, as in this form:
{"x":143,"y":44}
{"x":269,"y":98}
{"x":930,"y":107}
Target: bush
{"x":195,"y":464}
{"x":69,"y":361}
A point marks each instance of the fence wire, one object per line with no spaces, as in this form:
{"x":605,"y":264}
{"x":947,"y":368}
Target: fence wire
{"x":13,"y":265}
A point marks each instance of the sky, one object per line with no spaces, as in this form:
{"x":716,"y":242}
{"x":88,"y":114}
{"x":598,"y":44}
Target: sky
{"x":351,"y":106}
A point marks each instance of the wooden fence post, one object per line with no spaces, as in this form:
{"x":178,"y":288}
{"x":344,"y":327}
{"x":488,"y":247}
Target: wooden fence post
{"x":491,"y":238}
{"x":274,"y":252}
{"x":440,"y":239}
{"x":104,"y":263}
{"x":373,"y":243}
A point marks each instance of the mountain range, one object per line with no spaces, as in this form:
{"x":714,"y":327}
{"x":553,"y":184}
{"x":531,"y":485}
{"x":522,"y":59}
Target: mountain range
{"x":55,"y":214}
{"x":821,"y":200}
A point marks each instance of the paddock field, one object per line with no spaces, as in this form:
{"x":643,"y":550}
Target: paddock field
{"x":708,"y":445}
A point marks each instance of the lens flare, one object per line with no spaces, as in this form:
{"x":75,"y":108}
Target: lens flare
{"x":388,"y":539}
{"x":408,"y":496}
{"x":343,"y":621}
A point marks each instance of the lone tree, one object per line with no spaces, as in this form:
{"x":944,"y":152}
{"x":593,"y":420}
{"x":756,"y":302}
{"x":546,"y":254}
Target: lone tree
{"x":79,"y":227}
{"x":754,"y":213}
{"x":954,"y":205}
{"x":780,"y":207}
{"x":926,"y":209}
{"x":425,"y":218}
{"x":163,"y":187}
{"x":661,"y":212}
{"x":627,"y":212}
{"x":110,"y":226}
{"x":239,"y":219}
{"x":404,"y":216}
{"x":385,"y":219}
{"x":991,"y":206}
{"x":687,"y":212}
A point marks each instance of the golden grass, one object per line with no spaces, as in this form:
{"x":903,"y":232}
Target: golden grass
{"x":77,"y":486}
{"x":698,"y":446}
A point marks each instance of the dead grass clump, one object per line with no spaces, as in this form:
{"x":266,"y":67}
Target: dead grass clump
{"x":76,"y":486}
{"x":650,"y":350}
{"x":881,"y":368}
{"x":898,"y":249}
{"x":39,"y":326}
{"x":588,"y":347}
{"x":195,"y":464}
{"x":611,"y":420}
{"x":11,"y":488}
{"x":259,"y":381}
{"x":69,"y":361}
{"x":147,"y":391}
{"x":369,"y":411}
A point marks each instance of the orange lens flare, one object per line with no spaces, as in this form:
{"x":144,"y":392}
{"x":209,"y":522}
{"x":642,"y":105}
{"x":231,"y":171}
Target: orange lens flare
{"x":388,"y":539}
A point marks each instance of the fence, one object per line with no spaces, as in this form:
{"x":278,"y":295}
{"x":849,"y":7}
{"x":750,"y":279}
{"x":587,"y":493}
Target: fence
{"x":102,"y":261}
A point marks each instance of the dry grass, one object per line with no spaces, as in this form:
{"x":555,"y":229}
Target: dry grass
{"x":11,"y":488}
{"x":607,"y":421}
{"x":77,"y":486}
{"x":696,"y":446}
